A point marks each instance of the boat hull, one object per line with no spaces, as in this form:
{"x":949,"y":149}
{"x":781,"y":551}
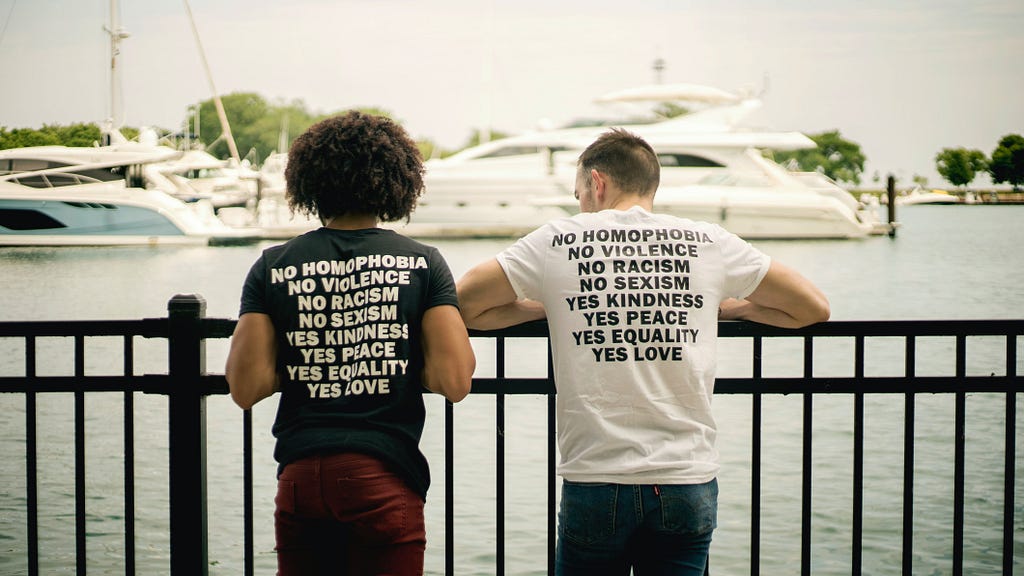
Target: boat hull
{"x":101,"y":214}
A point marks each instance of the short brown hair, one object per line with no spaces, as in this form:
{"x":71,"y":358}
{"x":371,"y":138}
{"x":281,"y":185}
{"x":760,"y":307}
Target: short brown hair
{"x":627,"y":159}
{"x":354,"y":163}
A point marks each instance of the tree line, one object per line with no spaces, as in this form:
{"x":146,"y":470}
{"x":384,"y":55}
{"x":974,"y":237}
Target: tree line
{"x":260,"y":128}
{"x":843,"y":161}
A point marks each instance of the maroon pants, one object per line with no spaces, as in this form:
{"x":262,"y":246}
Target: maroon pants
{"x":347,"y":514}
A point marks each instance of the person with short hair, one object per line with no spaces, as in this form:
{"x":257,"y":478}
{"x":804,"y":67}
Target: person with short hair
{"x":350,"y":323}
{"x":632,"y":299}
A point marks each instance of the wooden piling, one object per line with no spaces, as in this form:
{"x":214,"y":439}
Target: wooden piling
{"x":890,"y":190}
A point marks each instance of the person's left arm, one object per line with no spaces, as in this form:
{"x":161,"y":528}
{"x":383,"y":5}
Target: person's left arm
{"x":784,"y":298}
{"x":448,"y":359}
{"x":488,"y":301}
{"x":251,"y":367}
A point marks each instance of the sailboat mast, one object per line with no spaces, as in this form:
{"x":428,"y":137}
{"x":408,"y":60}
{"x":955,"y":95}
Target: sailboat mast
{"x":117,"y":34}
{"x":225,"y":127}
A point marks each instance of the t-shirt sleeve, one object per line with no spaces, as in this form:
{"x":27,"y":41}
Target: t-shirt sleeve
{"x":254,"y":291}
{"x":523,"y":263}
{"x":745,"y":266}
{"x":442,"y":284}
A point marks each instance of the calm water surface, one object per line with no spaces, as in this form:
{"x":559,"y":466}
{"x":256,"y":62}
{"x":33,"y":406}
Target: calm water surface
{"x":962,"y":262}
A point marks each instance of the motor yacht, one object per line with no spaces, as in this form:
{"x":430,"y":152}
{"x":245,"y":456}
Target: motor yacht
{"x":59,"y":195}
{"x":713,"y":169}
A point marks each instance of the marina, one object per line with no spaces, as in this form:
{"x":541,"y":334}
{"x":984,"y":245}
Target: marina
{"x":714,"y":168}
{"x":923,"y":274}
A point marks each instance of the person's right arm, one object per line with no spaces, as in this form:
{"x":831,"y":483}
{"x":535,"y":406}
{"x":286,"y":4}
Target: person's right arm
{"x":448,"y":357}
{"x":488,"y":301}
{"x":784,"y":298}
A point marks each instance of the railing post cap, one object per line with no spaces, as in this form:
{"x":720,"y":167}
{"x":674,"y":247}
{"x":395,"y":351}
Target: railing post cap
{"x":186,"y":303}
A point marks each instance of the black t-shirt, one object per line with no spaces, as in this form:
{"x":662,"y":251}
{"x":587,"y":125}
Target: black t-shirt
{"x":347,"y":308}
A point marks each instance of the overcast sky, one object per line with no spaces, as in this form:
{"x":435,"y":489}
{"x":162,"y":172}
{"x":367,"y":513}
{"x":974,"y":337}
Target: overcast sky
{"x":902,"y":78}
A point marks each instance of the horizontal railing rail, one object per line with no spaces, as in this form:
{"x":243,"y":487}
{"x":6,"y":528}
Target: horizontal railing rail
{"x":187,"y":384}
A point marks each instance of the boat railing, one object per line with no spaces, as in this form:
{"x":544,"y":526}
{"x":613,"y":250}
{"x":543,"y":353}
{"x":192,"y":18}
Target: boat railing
{"x":187,"y":385}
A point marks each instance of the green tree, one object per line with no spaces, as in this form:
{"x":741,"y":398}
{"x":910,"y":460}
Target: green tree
{"x":21,"y":137}
{"x":836,"y":157}
{"x":959,"y":166}
{"x":256,"y":124}
{"x":80,"y":134}
{"x":475,"y":139}
{"x":1007,"y":164}
{"x":670,"y":110}
{"x":242,"y":110}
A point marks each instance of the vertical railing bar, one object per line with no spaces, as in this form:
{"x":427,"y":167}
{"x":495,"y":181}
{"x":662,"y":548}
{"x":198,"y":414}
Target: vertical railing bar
{"x":1010,"y":452}
{"x":449,"y":488}
{"x":187,"y":438}
{"x":909,"y":415}
{"x":128,"y":409}
{"x":31,"y":461}
{"x":858,"y":461}
{"x":499,"y":489}
{"x":80,"y":528}
{"x":552,"y":487}
{"x":805,"y":514}
{"x":248,"y":546}
{"x":958,"y":467}
{"x":755,"y":466}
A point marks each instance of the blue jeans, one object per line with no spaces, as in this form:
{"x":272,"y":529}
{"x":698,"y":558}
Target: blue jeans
{"x":606,"y":529}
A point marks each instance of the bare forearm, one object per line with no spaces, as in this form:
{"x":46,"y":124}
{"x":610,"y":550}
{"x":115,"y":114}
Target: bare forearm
{"x":784,"y":298}
{"x":733,"y":309}
{"x":248,"y":386}
{"x":251,"y":367}
{"x":451,"y":380}
{"x":507,"y":315}
{"x":448,"y":357}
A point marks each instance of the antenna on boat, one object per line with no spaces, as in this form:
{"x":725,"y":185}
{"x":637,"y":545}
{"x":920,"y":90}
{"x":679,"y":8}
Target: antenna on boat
{"x":658,"y":67}
{"x":225,"y":127}
{"x":282,"y":136}
{"x":117,"y":34}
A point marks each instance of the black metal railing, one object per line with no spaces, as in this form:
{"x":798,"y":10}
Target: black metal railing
{"x":187,"y":385}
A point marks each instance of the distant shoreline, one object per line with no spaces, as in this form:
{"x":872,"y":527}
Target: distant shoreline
{"x":986,"y":196}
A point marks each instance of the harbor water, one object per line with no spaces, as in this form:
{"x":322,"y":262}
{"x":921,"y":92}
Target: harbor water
{"x":946,"y":262}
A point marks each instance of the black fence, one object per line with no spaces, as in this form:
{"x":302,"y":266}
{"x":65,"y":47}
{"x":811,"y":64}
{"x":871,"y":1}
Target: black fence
{"x":187,"y":386}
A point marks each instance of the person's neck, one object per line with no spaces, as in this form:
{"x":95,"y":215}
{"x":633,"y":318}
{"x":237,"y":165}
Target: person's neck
{"x":626,"y":202}
{"x":352,"y":222}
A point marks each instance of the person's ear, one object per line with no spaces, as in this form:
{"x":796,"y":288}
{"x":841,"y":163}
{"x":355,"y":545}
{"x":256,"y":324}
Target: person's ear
{"x":599,"y":185}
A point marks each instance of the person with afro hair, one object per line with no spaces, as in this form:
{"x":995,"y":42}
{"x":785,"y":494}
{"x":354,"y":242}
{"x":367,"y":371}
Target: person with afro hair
{"x":350,"y":323}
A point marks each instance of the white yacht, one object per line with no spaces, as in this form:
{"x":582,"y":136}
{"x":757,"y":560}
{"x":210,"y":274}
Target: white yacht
{"x":712,"y":170}
{"x":921,"y":196}
{"x":59,"y":195}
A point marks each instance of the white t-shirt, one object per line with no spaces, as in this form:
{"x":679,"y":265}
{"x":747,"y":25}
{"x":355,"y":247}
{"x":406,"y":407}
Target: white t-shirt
{"x":632,"y":304}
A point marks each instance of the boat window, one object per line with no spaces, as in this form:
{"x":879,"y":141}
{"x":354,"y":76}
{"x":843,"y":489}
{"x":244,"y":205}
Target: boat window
{"x":102,"y":174}
{"x":512,"y":151}
{"x":134,"y":177}
{"x":14,"y":165}
{"x":205,"y":173}
{"x":18,"y":165}
{"x":13,"y":219}
{"x":687,"y":161}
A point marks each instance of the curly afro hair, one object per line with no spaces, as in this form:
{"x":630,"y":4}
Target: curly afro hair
{"x":354,"y":163}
